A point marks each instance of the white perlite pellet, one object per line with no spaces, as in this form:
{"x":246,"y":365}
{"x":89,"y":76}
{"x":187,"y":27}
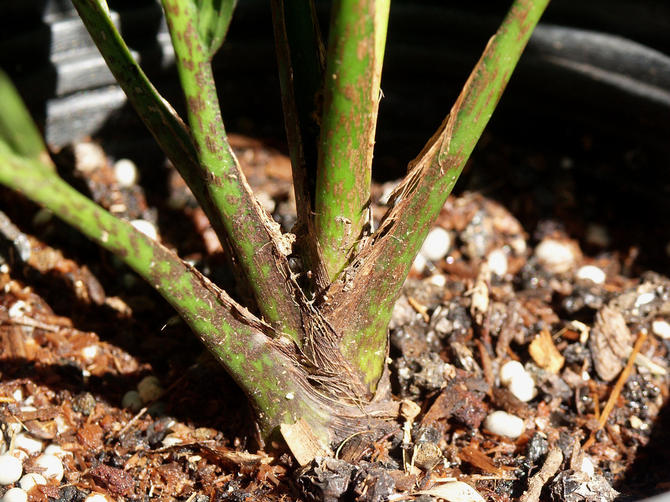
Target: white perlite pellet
{"x":15,"y":495}
{"x":437,"y":244}
{"x":504,"y":424}
{"x":587,"y":467}
{"x":146,"y":227}
{"x":497,"y":261}
{"x":30,"y":480}
{"x":89,"y":352}
{"x":96,"y":497}
{"x":54,"y":449}
{"x":11,"y":469}
{"x":519,"y":382}
{"x":439,"y":280}
{"x":28,"y":443}
{"x":661,"y":328}
{"x":555,"y":256}
{"x":125,"y":172}
{"x":591,"y":273}
{"x":523,"y":387}
{"x":419,"y":264}
{"x":509,"y":370}
{"x":51,"y":465}
{"x":644,"y":298}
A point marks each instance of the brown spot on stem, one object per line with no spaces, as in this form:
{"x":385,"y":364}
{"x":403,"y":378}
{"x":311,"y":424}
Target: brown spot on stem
{"x":210,"y":144}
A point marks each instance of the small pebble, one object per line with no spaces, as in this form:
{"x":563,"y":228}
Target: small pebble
{"x":132,"y":401}
{"x":556,"y":256}
{"x":504,"y":424}
{"x":149,"y":389}
{"x":28,"y":443}
{"x":661,"y":328}
{"x":437,"y":244}
{"x":42,"y":217}
{"x":31,"y":479}
{"x":497,"y":261}
{"x":509,"y":370}
{"x":146,"y":227}
{"x":15,"y":495}
{"x":591,"y":273}
{"x":11,"y":469}
{"x":96,"y":497}
{"x":51,"y":465}
{"x":57,"y":451}
{"x":125,"y":172}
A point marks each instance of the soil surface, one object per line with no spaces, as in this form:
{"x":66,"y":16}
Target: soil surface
{"x":531,"y":357}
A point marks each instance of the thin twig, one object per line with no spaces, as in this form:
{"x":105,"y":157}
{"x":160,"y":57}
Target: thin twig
{"x":420,"y":309}
{"x":616,"y":391}
{"x":132,"y":422}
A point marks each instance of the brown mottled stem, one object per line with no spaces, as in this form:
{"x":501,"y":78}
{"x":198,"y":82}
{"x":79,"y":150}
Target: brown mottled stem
{"x":161,"y":119}
{"x":253,"y":236}
{"x":268,"y":368}
{"x":351,"y":99}
{"x":377,"y":273}
{"x":300,"y":61}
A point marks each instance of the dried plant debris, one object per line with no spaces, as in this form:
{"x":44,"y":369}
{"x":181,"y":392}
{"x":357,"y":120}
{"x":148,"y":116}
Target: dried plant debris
{"x":513,"y":353}
{"x":610,"y":343}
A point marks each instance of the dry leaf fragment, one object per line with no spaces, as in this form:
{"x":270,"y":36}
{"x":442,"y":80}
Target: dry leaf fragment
{"x":610,"y":343}
{"x":454,"y":491}
{"x":545,"y":354}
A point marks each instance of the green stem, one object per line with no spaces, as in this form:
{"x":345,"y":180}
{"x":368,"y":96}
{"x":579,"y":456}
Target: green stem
{"x":380,"y":269}
{"x":353,"y":73}
{"x":253,"y":236}
{"x":160,"y":118}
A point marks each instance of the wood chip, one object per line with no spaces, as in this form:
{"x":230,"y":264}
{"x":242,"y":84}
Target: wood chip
{"x":477,"y":458}
{"x":302,"y":442}
{"x":545,"y":354}
{"x":537,"y":482}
